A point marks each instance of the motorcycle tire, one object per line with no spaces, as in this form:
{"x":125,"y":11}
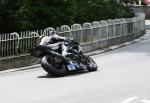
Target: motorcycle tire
{"x":92,"y":66}
{"x":50,"y":69}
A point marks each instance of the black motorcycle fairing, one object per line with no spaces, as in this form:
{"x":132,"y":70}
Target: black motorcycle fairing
{"x":40,"y":50}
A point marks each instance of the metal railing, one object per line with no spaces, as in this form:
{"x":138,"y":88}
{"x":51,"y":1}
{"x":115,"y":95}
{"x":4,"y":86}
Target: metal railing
{"x":18,"y":44}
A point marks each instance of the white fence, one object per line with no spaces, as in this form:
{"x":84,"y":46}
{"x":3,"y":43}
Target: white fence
{"x":91,"y":36}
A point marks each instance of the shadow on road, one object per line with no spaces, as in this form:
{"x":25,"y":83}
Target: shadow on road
{"x":77,"y":73}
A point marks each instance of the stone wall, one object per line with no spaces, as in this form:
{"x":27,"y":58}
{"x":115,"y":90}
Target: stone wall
{"x":15,"y":62}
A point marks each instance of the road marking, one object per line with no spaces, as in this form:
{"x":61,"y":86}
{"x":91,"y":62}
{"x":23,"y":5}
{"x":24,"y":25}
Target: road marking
{"x":129,"y":100}
{"x":145,"y":101}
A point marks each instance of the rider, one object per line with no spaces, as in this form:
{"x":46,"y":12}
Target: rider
{"x":54,"y":41}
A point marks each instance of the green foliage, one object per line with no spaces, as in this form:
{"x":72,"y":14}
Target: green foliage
{"x":16,"y":15}
{"x":8,"y":17}
{"x":36,"y":14}
{"x":89,"y":10}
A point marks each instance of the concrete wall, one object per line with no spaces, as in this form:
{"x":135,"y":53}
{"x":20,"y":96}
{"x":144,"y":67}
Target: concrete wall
{"x":15,"y":62}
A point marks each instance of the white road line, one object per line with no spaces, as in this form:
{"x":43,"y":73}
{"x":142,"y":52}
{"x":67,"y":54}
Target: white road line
{"x":129,"y":100}
{"x":145,"y":101}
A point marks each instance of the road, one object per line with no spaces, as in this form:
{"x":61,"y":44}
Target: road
{"x":123,"y":76}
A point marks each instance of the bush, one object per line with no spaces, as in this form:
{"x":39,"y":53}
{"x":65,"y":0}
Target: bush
{"x":18,"y":15}
{"x":37,"y":14}
{"x":90,"y":10}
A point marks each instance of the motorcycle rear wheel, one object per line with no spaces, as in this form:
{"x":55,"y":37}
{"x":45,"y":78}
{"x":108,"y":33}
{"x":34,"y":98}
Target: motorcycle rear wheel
{"x":51,"y":69}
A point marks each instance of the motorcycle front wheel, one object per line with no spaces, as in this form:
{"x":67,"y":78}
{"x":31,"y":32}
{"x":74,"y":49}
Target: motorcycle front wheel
{"x":91,"y":64}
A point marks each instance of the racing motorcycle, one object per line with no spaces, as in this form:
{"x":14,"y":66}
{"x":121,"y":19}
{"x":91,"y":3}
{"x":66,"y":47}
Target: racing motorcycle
{"x":54,"y":63}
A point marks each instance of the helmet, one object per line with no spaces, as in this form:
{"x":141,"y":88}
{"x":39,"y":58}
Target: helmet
{"x":52,"y":33}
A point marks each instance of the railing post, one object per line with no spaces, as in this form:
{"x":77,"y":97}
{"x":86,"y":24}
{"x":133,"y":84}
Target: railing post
{"x":87,"y":32}
{"x":18,"y":40}
{"x":76,"y":31}
{"x":104,"y":30}
{"x":96,"y":31}
{"x":65,"y":31}
{"x":35,"y":37}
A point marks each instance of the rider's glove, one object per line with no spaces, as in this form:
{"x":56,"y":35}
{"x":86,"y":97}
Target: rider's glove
{"x":68,"y":39}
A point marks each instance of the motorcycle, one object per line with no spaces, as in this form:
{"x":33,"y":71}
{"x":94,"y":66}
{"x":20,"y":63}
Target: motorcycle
{"x":54,"y":63}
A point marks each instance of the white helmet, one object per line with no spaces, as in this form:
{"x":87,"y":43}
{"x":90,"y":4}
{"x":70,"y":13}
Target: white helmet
{"x":52,"y":33}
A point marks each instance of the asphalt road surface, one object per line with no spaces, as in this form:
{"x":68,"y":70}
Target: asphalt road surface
{"x":123,"y":76}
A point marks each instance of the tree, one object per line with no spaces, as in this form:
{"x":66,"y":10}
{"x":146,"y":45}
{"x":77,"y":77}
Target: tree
{"x":37,"y":14}
{"x":8,"y":17}
{"x":90,"y":10}
{"x":18,"y":15}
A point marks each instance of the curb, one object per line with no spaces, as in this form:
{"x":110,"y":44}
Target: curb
{"x":114,"y":47}
{"x":20,"y":69}
{"x":92,"y":53}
